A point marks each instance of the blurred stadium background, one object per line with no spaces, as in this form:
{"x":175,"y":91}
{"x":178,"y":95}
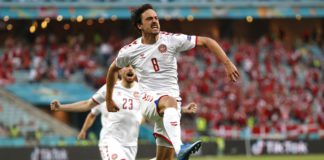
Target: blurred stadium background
{"x":60,"y":49}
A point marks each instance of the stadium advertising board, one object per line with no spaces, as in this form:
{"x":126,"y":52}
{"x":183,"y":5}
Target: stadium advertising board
{"x":50,"y":153}
{"x":232,"y":147}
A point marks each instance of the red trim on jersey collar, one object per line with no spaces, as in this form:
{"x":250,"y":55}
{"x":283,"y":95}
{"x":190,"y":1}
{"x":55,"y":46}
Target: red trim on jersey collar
{"x":196,"y":41}
{"x":163,"y":137}
{"x":95,"y":100}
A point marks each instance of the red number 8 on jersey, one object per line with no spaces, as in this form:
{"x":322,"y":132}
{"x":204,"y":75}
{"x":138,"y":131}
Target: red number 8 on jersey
{"x":155,"y":64}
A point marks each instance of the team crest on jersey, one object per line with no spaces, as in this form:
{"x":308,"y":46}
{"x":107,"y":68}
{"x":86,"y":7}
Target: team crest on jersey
{"x":162,"y":48}
{"x":114,"y":156}
{"x":136,"y":95}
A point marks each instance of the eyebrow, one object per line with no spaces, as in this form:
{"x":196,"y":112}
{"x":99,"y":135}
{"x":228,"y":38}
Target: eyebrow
{"x":149,"y":17}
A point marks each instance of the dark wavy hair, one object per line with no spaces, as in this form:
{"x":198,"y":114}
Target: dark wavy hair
{"x":137,"y":14}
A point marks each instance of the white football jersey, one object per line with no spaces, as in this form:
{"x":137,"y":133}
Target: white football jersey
{"x":156,"y":64}
{"x":123,"y":125}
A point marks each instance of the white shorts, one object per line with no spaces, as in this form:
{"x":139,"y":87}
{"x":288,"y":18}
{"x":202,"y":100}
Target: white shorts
{"x":116,"y":151}
{"x":149,"y":109}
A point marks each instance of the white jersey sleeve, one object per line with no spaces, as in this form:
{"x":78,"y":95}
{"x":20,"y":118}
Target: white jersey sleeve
{"x":184,"y":42}
{"x":122,"y":59}
{"x":100,"y":95}
{"x":96,"y":110}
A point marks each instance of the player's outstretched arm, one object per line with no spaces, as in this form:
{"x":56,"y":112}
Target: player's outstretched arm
{"x":214,"y":47}
{"x":110,"y":83}
{"x":190,"y":108}
{"x":80,"y":106}
{"x":86,"y":125}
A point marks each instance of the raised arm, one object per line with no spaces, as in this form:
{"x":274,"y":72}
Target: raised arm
{"x":110,"y":83}
{"x":81,"y":106}
{"x":214,"y":47}
{"x":86,"y":125}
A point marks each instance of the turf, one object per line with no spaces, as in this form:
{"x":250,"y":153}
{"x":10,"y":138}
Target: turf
{"x":275,"y":157}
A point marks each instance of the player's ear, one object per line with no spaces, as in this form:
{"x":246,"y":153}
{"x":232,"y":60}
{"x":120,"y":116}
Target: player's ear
{"x":139,"y":26}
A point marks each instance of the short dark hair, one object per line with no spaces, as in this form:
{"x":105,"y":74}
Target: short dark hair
{"x":137,"y":14}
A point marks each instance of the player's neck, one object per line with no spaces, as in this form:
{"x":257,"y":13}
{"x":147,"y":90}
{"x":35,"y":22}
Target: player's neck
{"x":149,"y":38}
{"x":127,"y":84}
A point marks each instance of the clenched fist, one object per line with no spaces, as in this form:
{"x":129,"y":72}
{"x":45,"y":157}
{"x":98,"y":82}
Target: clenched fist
{"x":55,"y":105}
{"x":190,"y":108}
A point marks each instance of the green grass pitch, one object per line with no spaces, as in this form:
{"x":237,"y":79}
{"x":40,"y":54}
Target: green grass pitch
{"x":263,"y":157}
{"x":274,"y":157}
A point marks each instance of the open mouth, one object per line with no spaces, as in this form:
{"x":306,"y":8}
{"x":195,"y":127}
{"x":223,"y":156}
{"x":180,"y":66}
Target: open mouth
{"x":130,"y":74}
{"x":154,"y":27}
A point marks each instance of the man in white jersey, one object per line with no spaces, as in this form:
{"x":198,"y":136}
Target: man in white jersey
{"x":153,"y":56}
{"x":117,"y":131}
{"x":118,"y":136}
